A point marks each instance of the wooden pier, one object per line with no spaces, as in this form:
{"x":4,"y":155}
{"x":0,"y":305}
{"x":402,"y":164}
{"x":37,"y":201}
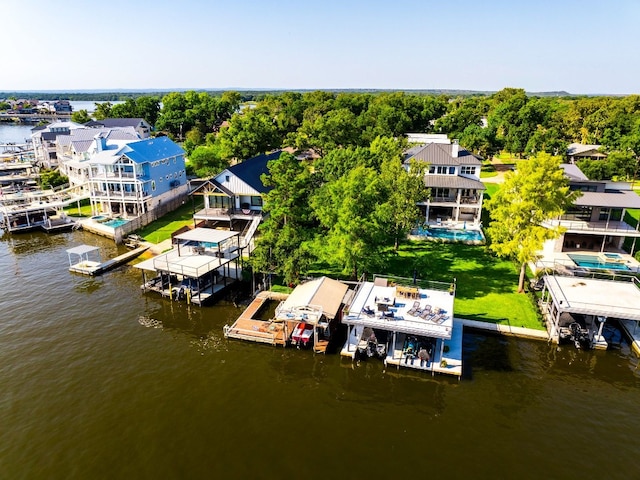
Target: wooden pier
{"x":89,"y":267}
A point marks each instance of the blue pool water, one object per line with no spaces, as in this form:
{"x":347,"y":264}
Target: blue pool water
{"x":592,"y":261}
{"x":450,"y":234}
{"x":116,"y":222}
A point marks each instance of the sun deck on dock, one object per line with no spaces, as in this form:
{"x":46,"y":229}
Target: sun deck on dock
{"x":86,"y":266}
{"x":246,"y":327}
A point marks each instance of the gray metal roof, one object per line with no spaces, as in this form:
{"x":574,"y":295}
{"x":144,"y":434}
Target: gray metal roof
{"x":452,"y":181}
{"x":441,"y":154}
{"x":573,"y":172}
{"x":207,"y":235}
{"x":618,"y":199}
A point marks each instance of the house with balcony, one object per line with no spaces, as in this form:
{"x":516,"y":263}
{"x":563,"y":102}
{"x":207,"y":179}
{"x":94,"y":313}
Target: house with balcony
{"x":45,"y":138}
{"x":453,"y":178}
{"x":233,"y":199}
{"x":74,"y":150}
{"x":130,"y":178}
{"x":597,"y":221}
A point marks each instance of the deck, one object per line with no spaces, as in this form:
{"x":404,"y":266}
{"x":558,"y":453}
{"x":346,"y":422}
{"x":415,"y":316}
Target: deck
{"x":448,"y":363}
{"x":90,"y":267}
{"x":246,"y":327}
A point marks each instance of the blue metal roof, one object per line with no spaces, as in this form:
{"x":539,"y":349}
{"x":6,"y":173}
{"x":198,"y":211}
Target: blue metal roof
{"x":250,"y":170}
{"x":152,"y":149}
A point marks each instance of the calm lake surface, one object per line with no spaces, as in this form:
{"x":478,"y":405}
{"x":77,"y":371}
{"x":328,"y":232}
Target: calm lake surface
{"x":88,"y":391}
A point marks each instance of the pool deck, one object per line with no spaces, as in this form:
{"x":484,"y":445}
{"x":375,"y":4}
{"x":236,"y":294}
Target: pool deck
{"x":562,"y":261}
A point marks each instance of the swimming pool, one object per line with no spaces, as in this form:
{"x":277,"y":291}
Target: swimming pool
{"x":593,"y":261}
{"x":450,"y":234}
{"x":115,"y":222}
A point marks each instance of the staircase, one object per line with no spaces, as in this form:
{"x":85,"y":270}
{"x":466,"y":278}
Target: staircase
{"x":250,"y":230}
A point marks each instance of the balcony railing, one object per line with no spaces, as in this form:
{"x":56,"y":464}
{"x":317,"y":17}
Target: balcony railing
{"x":226,"y":212}
{"x":600,"y":226}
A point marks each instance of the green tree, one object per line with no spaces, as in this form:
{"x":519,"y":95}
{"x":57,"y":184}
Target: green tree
{"x":50,"y":178}
{"x":402,"y":189}
{"x":283,"y":244}
{"x":538,"y":191}
{"x":353,"y":232}
{"x":205,"y":161}
{"x":247,"y":135}
{"x":102,"y":111}
{"x":81,"y":116}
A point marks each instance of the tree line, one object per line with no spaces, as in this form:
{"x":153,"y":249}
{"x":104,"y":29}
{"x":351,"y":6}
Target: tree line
{"x":352,"y":201}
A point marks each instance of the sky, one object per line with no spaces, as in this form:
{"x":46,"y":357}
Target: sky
{"x":577,"y":46}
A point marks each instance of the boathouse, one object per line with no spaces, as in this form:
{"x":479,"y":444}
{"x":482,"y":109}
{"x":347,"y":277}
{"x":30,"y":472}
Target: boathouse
{"x":203,"y":262}
{"x":306,"y":318}
{"x":589,"y":302}
{"x":407,"y":323}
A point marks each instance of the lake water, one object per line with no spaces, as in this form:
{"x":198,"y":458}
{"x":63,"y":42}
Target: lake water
{"x":88,"y":391}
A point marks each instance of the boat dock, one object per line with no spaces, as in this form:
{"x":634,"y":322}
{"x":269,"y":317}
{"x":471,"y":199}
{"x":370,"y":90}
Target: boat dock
{"x":247,"y":327}
{"x":86,"y":266}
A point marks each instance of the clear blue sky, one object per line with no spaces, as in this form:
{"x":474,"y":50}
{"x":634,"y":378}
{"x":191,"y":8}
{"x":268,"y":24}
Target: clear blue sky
{"x":580,"y":46}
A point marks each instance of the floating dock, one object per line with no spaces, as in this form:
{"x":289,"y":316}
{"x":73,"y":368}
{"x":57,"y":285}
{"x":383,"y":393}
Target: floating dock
{"x":86,"y":266}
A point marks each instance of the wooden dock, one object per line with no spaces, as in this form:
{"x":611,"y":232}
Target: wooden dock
{"x":97,"y":268}
{"x":262,"y":331}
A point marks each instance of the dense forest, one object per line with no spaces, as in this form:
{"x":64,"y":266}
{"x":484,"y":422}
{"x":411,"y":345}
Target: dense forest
{"x":226,"y":127}
{"x":351,"y":202}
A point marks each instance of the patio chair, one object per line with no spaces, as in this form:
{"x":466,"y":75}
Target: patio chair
{"x":368,"y":311}
{"x":414,"y":309}
{"x":426,"y":314}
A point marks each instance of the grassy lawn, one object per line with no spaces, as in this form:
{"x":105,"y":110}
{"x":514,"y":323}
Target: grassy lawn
{"x":486,"y":285}
{"x":84,"y":211}
{"x":492,"y":188}
{"x":162,"y":228}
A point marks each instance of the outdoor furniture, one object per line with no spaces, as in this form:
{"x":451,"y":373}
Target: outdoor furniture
{"x":408,"y":292}
{"x":368,"y":311}
{"x":414,"y":309}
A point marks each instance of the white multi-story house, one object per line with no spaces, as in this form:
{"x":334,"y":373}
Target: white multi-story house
{"x":76,"y":149}
{"x":453,"y":177}
{"x":45,"y":138}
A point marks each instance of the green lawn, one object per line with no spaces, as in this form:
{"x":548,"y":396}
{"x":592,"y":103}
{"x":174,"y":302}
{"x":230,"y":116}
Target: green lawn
{"x":162,"y":228}
{"x":486,"y":285}
{"x":84,"y":211}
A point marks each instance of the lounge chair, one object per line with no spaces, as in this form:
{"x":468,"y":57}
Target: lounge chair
{"x":415,"y":309}
{"x":425,"y":311}
{"x":368,"y":311}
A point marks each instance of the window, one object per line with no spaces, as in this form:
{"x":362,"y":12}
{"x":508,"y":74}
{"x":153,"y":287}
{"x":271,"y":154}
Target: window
{"x":432,"y":169}
{"x":153,"y":185}
{"x":256,"y":201}
{"x":452,"y":170}
{"x":226,"y":178}
{"x":468,"y":170}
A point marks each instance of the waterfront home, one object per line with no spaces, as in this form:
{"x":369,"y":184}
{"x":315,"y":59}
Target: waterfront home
{"x":580,"y":151}
{"x":308,"y":317}
{"x":74,"y":150}
{"x":453,"y":177}
{"x":44,"y":139}
{"x":595,"y":225}
{"x":407,"y":323}
{"x":140,"y":125}
{"x":131,"y":178}
{"x":235,"y":196}
{"x":203,"y":262}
